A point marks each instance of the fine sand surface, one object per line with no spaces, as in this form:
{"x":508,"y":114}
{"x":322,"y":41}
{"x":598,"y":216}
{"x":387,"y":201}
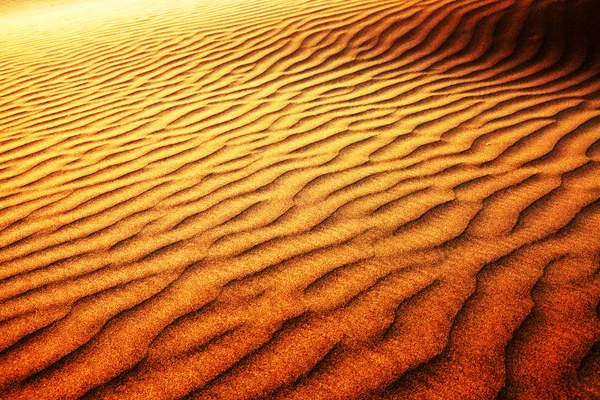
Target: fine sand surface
{"x":300,"y":199}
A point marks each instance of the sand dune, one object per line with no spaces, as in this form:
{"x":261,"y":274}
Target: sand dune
{"x":305,"y":199}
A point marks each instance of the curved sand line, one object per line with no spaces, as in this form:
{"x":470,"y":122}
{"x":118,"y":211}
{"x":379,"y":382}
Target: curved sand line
{"x":299,"y":199}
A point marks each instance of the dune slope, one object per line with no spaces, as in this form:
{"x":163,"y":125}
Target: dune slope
{"x":300,"y":199}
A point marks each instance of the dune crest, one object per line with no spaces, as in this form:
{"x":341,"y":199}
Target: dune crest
{"x":299,"y":199}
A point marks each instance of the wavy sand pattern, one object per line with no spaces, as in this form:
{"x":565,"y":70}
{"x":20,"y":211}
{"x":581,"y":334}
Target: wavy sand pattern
{"x":306,"y":199}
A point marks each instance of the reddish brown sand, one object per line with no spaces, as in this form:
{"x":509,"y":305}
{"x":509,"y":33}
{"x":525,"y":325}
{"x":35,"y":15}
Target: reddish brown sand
{"x":300,"y":199}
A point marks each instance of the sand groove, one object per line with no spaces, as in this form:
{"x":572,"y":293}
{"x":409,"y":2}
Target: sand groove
{"x":300,"y":199}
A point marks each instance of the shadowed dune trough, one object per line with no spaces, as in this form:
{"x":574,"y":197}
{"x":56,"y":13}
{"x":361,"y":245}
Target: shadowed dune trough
{"x":305,"y":199}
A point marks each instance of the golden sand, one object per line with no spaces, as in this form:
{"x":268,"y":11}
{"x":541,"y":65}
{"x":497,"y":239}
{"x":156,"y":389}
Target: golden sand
{"x":300,"y":199}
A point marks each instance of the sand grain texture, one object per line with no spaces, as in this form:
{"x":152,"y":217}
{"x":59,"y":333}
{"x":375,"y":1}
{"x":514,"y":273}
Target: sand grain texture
{"x":300,"y":199}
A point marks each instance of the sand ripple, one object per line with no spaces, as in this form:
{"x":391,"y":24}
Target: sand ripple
{"x":300,"y":199}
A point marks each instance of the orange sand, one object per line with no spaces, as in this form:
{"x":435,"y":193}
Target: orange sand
{"x":300,"y":199}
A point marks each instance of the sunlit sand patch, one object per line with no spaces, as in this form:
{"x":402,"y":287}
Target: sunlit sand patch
{"x":299,"y":199}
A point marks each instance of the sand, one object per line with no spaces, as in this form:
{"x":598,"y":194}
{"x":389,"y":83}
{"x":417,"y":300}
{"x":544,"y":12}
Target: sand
{"x":300,"y":199}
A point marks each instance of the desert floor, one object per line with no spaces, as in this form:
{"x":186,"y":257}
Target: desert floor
{"x":300,"y":199}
